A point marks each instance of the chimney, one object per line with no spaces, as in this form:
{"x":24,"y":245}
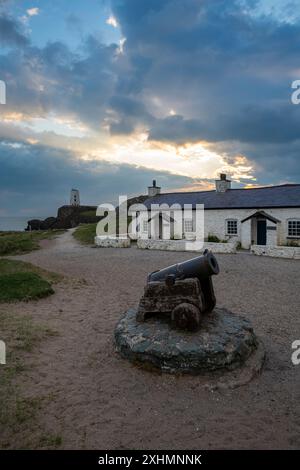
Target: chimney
{"x":153,"y":190}
{"x":223,"y":184}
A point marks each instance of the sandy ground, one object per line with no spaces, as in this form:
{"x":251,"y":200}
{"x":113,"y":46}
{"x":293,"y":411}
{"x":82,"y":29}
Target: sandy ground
{"x":101,"y":401}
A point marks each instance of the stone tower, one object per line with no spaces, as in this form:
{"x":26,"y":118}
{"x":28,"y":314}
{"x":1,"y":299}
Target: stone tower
{"x":74,"y":198}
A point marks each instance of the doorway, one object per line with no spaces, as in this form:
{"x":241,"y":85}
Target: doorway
{"x":261,"y":232}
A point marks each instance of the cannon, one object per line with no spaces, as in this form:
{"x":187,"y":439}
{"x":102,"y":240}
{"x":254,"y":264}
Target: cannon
{"x":184,"y":291}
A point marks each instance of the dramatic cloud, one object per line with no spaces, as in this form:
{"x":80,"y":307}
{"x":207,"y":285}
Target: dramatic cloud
{"x":39,"y":179}
{"x":181,"y":72}
{"x":226,"y":71}
{"x":252,"y":124}
{"x":11,"y":32}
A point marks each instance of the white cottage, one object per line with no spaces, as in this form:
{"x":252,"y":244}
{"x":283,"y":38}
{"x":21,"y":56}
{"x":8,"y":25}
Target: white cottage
{"x":256,"y":216}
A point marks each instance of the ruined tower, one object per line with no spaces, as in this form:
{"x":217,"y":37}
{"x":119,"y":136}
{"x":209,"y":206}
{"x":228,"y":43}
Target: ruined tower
{"x":74,"y":197}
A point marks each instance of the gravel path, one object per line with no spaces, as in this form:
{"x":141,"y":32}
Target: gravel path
{"x":101,"y":401}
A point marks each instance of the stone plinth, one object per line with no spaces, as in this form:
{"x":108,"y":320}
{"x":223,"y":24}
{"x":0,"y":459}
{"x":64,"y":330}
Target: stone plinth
{"x":224,"y":342}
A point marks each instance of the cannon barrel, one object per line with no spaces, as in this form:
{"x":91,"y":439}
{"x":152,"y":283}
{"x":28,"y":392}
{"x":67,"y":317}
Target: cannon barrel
{"x":201,"y":267}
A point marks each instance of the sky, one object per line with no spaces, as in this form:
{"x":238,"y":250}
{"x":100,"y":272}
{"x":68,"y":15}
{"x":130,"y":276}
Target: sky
{"x":107,"y":95}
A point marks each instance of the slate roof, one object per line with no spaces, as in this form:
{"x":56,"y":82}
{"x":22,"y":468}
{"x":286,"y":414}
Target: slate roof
{"x":286,"y":195}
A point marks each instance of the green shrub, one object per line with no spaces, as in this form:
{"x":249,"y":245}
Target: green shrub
{"x":213,"y":239}
{"x":293,"y":243}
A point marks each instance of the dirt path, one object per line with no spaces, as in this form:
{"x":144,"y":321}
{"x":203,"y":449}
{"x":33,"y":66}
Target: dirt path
{"x":98,"y":400}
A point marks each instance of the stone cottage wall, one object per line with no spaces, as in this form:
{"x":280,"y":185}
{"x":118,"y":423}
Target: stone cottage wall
{"x":215,"y":224}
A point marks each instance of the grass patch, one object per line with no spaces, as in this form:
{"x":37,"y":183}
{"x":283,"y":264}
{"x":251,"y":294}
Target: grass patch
{"x":91,"y":213}
{"x":26,"y":408}
{"x":12,"y":266}
{"x":86,"y":233}
{"x":50,"y":441}
{"x":18,"y":412}
{"x":21,"y":335}
{"x":17,"y":243}
{"x":23,"y":286}
{"x":23,"y":281}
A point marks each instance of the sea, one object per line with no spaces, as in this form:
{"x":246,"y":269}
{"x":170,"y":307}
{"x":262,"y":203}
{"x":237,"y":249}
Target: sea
{"x":14,"y":224}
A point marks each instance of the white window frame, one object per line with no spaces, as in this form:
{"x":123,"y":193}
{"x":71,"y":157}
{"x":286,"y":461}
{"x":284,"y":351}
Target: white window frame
{"x":296,"y":223}
{"x":188,"y":226}
{"x":229,"y":233}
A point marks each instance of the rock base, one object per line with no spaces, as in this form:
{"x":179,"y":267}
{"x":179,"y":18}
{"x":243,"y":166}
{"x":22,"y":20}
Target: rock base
{"x":224,"y":342}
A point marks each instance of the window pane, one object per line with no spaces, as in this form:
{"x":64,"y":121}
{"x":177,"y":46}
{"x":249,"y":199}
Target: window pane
{"x":294,"y":228}
{"x":231,"y":227}
{"x":188,"y":225}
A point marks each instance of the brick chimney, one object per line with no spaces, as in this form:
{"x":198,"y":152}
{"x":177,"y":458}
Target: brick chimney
{"x":223,"y":184}
{"x":153,"y":190}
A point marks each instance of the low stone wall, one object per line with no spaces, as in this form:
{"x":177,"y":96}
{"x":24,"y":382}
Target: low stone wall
{"x":185,"y":245}
{"x":276,"y":251}
{"x":221,"y":247}
{"x":112,"y":242}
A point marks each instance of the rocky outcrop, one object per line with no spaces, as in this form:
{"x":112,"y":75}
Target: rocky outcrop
{"x":67,"y":217}
{"x":71,"y":216}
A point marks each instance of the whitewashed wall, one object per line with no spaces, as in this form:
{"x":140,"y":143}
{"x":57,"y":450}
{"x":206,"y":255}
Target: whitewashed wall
{"x":215,"y":224}
{"x":246,"y":229}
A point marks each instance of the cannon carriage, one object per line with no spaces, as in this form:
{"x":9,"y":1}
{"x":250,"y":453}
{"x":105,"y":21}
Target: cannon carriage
{"x":183,"y":291}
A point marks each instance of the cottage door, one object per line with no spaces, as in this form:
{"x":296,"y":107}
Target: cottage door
{"x":160,"y":227}
{"x":261,"y":232}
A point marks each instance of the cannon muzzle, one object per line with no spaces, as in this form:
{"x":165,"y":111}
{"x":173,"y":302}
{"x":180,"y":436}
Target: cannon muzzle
{"x":200,"y":267}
